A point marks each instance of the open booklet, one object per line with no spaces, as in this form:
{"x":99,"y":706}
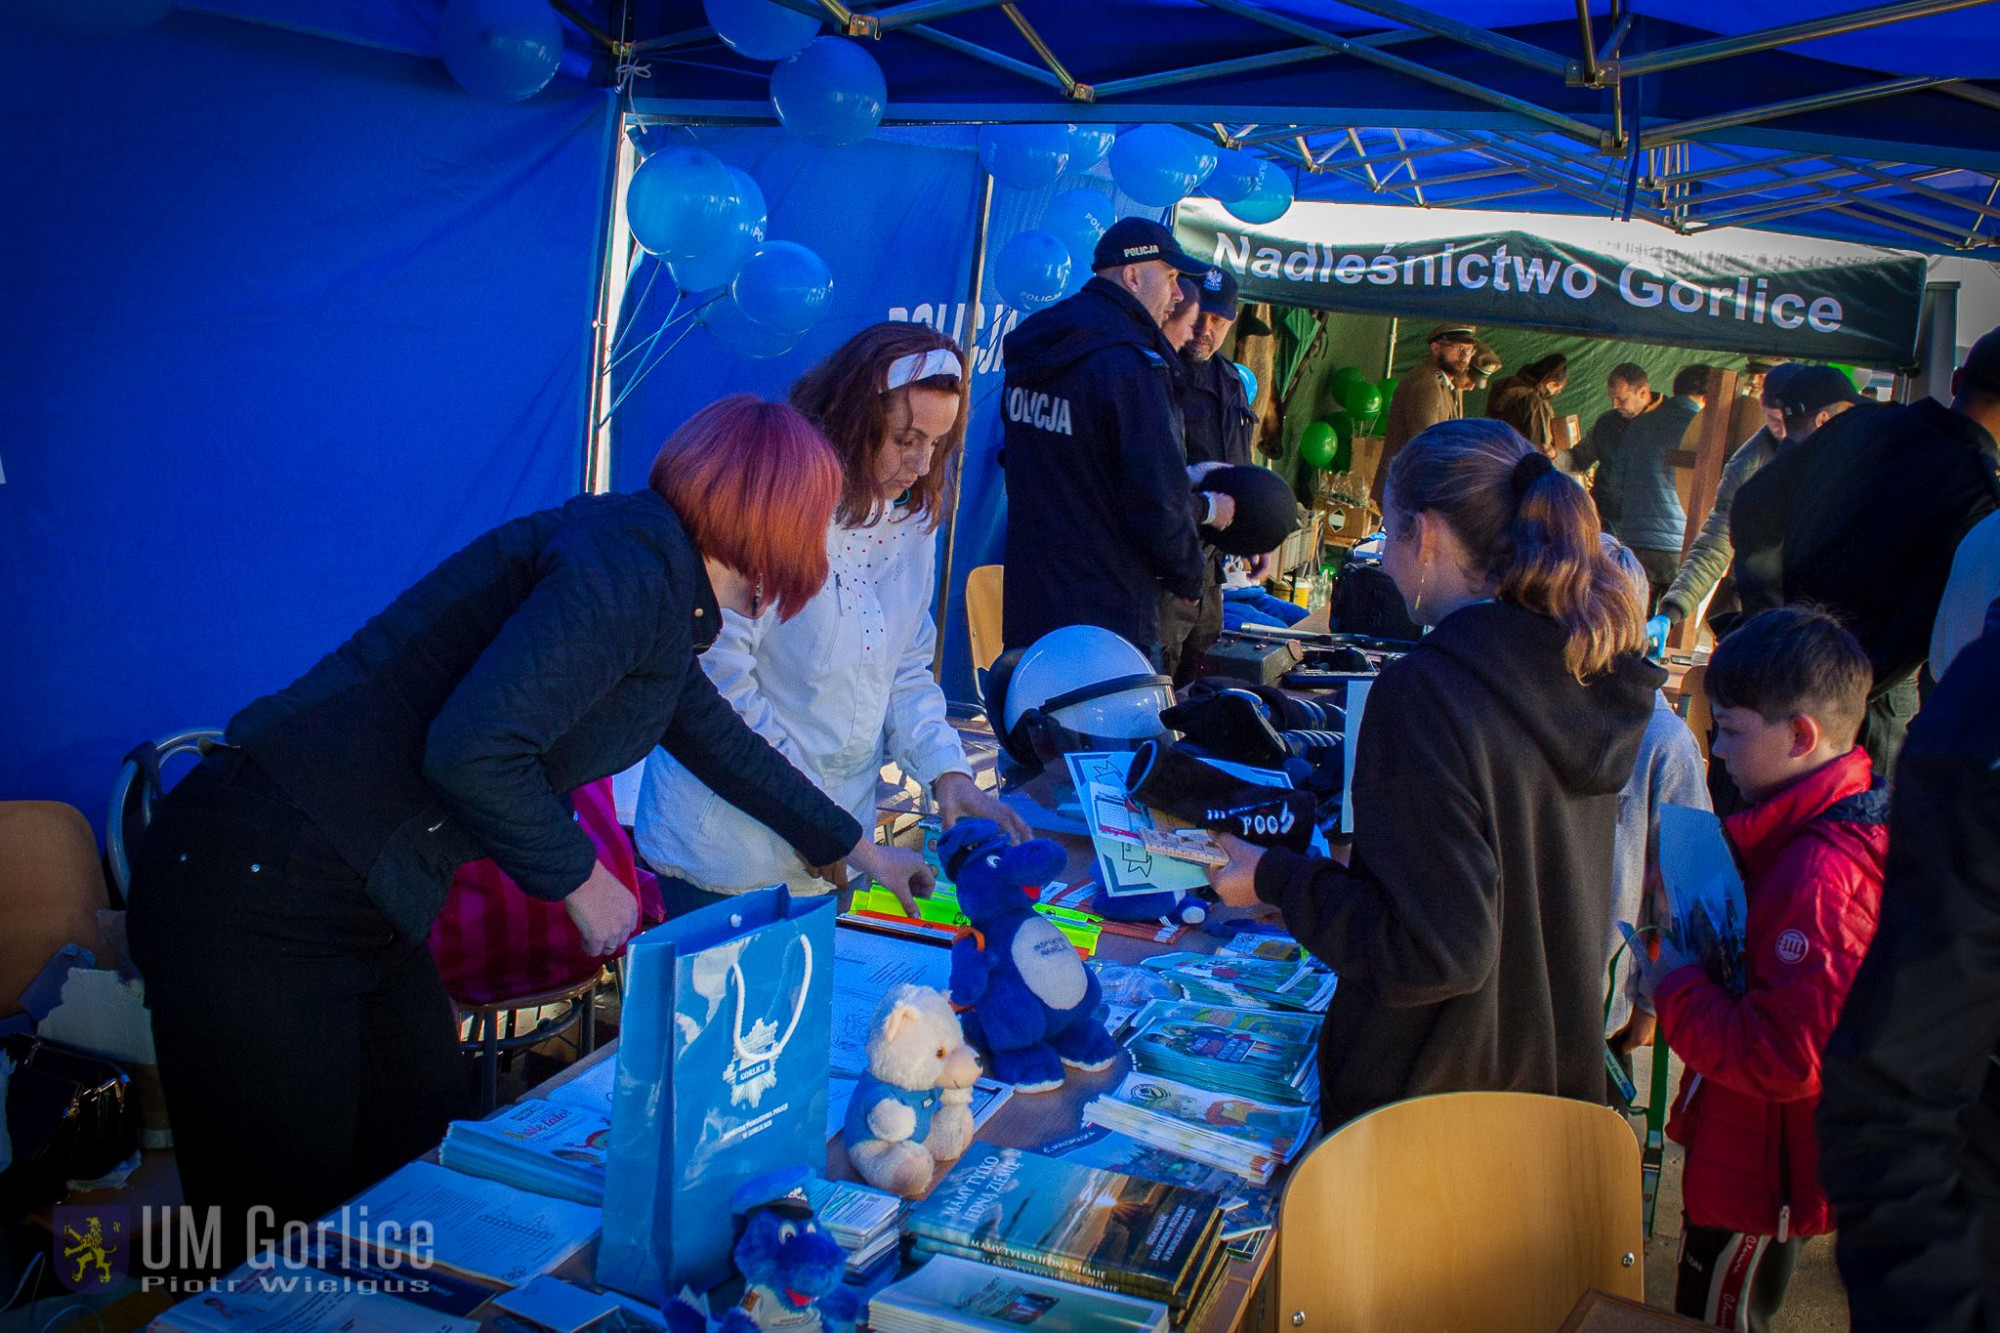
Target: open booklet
{"x":1705,"y":907}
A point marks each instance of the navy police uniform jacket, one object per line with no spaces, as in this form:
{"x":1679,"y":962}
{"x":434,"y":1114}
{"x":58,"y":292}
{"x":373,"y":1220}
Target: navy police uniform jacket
{"x":1098,"y":513}
{"x":1218,"y":425}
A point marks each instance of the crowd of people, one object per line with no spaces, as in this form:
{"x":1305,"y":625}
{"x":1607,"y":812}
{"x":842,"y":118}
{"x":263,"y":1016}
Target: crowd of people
{"x":756,"y":627}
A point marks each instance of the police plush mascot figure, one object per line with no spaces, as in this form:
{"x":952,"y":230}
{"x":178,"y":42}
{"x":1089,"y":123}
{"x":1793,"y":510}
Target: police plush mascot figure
{"x":791,"y":1269}
{"x":1026,"y":998}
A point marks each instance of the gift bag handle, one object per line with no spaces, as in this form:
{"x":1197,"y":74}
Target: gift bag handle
{"x":798,"y":1010}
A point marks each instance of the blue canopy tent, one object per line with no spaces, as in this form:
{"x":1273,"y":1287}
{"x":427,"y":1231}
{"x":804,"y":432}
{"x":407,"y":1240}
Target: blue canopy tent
{"x":290,"y":316}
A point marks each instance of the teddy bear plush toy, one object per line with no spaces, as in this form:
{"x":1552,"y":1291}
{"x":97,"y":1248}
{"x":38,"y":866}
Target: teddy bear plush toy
{"x":791,"y":1269}
{"x":1027,"y":998}
{"x":913,"y":1108}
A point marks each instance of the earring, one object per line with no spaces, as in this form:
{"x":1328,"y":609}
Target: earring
{"x":1422,"y":579}
{"x":757,"y":598}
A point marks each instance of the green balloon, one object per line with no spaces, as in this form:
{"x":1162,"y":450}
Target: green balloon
{"x":1317,"y":445}
{"x":1388,"y":388}
{"x":1343,"y":377}
{"x":1362,"y":400}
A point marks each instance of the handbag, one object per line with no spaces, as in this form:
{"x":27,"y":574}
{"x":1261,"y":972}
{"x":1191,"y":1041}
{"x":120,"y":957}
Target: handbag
{"x":723,"y":1064}
{"x":493,"y":942}
{"x":70,"y":1116}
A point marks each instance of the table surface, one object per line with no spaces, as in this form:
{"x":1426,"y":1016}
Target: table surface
{"x":1028,"y":1120}
{"x":1025,"y":1121}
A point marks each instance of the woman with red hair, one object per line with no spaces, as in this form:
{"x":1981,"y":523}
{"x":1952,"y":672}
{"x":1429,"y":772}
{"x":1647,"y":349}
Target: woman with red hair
{"x":281,"y":899}
{"x":846,"y":684}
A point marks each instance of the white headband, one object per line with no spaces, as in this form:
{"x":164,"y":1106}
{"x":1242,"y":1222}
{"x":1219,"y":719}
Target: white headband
{"x":938,"y":363}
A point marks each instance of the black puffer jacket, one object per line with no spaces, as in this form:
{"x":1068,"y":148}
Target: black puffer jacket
{"x":553,"y":651}
{"x":1099,"y":514}
{"x":1469,"y":931}
{"x":1909,"y":1114}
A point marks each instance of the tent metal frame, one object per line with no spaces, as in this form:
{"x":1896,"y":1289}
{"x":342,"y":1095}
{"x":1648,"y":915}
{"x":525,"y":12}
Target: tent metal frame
{"x":1612,"y":160}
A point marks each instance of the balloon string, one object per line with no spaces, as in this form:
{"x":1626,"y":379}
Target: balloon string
{"x":654,"y":364}
{"x":645,"y":344}
{"x":652,"y":276}
{"x":630,"y":70}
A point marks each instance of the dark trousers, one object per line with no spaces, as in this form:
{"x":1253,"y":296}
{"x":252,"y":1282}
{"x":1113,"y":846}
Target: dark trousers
{"x":1888,"y":722}
{"x":1732,"y":1279}
{"x":1660,"y":567}
{"x":1189,"y":629}
{"x":304,"y":1050}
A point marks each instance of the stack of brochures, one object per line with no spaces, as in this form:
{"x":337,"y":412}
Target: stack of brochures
{"x":1249,"y":1138}
{"x":1267,"y":1055}
{"x":1248,"y":1212}
{"x":541,"y":1146}
{"x":1028,"y":1212}
{"x":479,"y":1228}
{"x":1247,"y":982}
{"x":950,"y":1293}
{"x":867,"y":1223}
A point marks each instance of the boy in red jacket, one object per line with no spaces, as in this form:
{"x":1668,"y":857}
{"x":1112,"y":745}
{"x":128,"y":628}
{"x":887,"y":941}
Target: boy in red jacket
{"x":1789,"y":690}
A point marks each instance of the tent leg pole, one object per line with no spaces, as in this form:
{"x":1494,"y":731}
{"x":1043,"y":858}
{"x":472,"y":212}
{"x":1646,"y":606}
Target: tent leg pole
{"x":1389,"y":360}
{"x":975,"y":296}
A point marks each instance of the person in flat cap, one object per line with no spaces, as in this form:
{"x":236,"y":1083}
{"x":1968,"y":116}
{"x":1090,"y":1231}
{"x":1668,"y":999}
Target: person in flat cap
{"x":1219,"y":431}
{"x":1100,"y":517}
{"x":1429,"y":394}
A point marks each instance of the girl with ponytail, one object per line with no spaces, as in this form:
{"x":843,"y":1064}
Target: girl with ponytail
{"x":1469,"y":923}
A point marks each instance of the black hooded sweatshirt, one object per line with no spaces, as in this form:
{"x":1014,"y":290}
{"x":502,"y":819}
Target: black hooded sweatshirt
{"x":1099,"y":516}
{"x":1469,"y":931}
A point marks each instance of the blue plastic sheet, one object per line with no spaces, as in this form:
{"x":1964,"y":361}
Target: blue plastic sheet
{"x":282,"y":327}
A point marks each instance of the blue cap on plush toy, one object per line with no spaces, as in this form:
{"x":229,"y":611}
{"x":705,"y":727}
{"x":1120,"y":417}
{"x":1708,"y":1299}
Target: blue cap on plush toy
{"x":782,"y":1191}
{"x":967,"y":839}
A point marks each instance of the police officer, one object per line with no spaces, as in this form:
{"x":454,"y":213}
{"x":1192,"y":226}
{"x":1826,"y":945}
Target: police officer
{"x":1099,"y":512}
{"x":1218,"y":430}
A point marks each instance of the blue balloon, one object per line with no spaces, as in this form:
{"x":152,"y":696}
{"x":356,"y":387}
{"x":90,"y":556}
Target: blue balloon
{"x":1031,"y":270}
{"x":500,"y":50}
{"x":91,"y":20}
{"x":1249,"y":378}
{"x":1027,"y":157}
{"x":1088,"y":144}
{"x":681,"y":203}
{"x":1156,"y":164}
{"x":784,"y":287}
{"x":1078,"y":218}
{"x":1235,"y":175}
{"x":717,"y":267}
{"x":760,"y":29}
{"x":832,"y":93}
{"x":1207,"y":154}
{"x":1268,"y":199}
{"x":725,"y":320}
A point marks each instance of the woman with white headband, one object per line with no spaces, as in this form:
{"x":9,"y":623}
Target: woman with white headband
{"x":846,"y":683}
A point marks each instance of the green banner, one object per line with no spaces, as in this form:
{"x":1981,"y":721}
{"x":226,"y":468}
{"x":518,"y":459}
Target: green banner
{"x":1789,"y":297}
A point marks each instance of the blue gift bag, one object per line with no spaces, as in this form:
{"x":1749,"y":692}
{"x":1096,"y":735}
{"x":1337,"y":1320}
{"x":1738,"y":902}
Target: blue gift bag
{"x":722,"y":1075}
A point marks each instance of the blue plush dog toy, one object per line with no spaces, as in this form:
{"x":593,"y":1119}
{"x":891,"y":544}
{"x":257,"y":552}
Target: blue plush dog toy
{"x":1030,"y":998}
{"x":791,"y":1269}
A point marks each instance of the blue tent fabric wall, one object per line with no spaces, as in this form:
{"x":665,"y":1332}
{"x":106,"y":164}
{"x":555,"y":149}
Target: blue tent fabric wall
{"x":283,"y":325}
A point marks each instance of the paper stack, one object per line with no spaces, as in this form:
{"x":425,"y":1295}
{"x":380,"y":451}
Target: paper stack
{"x":1249,"y":983}
{"x":537,"y":1145}
{"x":950,"y":1293}
{"x":867,"y":1223}
{"x":1249,"y":1138}
{"x":1268,"y":1055}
